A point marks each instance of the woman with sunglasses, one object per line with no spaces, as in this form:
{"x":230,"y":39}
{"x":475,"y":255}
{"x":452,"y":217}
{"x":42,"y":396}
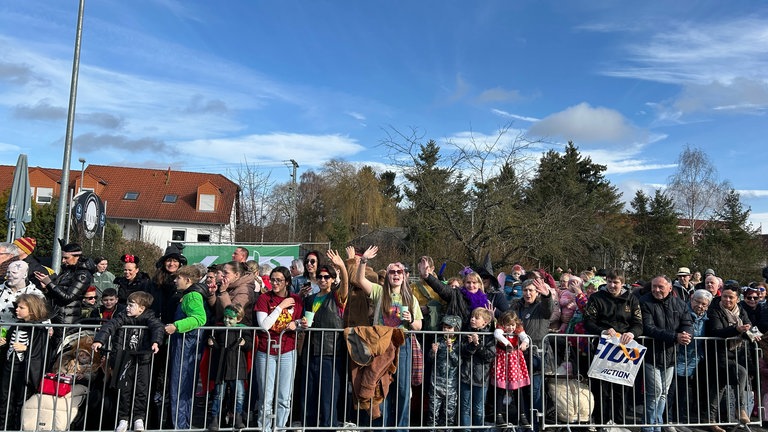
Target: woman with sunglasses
{"x":278,"y":311}
{"x":394,"y":306}
{"x":306,"y":284}
{"x":325,"y":346}
{"x":756,"y":311}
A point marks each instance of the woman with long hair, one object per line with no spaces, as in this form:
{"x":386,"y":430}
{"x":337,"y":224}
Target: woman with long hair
{"x":394,"y":306}
{"x":278,"y":311}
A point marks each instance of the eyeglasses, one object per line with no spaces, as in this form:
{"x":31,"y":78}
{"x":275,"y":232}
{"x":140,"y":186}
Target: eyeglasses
{"x":274,"y":281}
{"x":326,"y":277}
{"x":90,"y":298}
{"x":311,"y":261}
{"x":750,"y":298}
{"x":395,"y":272}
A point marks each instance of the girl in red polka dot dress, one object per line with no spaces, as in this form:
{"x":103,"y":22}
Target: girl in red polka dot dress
{"x":510,"y":370}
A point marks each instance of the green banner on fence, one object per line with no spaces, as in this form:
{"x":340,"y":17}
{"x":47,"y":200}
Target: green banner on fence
{"x":274,"y":255}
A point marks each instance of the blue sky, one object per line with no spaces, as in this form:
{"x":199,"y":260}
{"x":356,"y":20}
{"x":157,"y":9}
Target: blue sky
{"x":202,"y":85}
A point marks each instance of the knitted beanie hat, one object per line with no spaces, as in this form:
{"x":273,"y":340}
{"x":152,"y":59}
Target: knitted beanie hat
{"x":26,"y":244}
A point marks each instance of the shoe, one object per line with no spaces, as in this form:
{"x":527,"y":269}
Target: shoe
{"x":213,"y":426}
{"x":682,"y":429}
{"x":668,"y":429}
{"x":138,"y":425}
{"x":122,"y":426}
{"x":715,"y":428}
{"x":239,"y":422}
{"x":744,"y":417}
{"x":500,"y":420}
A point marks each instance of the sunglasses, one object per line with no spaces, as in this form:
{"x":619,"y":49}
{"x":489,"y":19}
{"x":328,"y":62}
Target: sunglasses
{"x":311,"y":261}
{"x":90,"y":298}
{"x":750,"y":298}
{"x":395,"y":272}
{"x":326,"y":277}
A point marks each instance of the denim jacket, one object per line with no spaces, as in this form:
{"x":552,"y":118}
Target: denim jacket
{"x":688,"y":357}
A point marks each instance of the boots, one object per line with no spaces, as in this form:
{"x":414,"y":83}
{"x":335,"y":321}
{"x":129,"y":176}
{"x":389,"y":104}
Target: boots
{"x":239,"y":424}
{"x":744,"y":417}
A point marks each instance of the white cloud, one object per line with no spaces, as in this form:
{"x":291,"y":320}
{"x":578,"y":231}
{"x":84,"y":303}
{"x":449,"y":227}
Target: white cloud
{"x":753,"y":193}
{"x":356,"y":115}
{"x":700,"y":53}
{"x":497,"y":94}
{"x":505,"y":114}
{"x":9,"y":148}
{"x":585,"y":125}
{"x":309,"y":150}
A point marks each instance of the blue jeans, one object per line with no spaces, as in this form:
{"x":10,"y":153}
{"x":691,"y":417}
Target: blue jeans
{"x":657,"y":382}
{"x":472,"y":405}
{"x":275,"y":374}
{"x":396,"y":408}
{"x":323,"y":390}
{"x":239,"y":388}
{"x":184,"y":361}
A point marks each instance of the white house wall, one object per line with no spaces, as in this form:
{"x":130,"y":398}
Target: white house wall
{"x":161,"y":233}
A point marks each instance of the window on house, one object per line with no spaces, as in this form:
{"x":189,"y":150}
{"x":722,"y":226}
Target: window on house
{"x":44,"y":195}
{"x":170,"y":198}
{"x":132,"y":196}
{"x":178,"y":235}
{"x":207,"y":203}
{"x":203,"y":238}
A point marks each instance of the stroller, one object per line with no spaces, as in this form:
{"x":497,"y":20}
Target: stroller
{"x":75,"y":374}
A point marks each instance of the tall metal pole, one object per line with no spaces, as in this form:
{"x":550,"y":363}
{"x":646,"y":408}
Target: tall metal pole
{"x":63,"y":210}
{"x":294,"y":199}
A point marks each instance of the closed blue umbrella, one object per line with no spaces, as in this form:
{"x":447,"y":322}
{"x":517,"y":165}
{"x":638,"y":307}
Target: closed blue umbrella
{"x":19,"y":208}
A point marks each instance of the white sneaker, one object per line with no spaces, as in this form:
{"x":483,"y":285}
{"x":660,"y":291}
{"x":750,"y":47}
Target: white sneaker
{"x":138,"y":425}
{"x":122,"y":426}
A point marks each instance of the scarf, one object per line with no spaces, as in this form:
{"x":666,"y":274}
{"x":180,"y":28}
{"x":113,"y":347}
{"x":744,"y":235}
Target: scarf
{"x":732,"y":316}
{"x":476,"y":300}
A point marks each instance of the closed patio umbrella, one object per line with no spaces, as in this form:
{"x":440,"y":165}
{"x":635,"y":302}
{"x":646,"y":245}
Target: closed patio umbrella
{"x":19,"y":208}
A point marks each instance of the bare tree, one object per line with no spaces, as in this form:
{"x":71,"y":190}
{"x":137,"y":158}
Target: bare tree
{"x":696,"y":189}
{"x":255,"y":186}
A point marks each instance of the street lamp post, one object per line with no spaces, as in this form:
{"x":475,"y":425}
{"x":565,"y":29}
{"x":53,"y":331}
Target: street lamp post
{"x":82,"y":173}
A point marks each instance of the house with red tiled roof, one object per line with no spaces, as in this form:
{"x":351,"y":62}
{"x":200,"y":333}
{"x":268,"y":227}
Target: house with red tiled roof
{"x":154,"y":205}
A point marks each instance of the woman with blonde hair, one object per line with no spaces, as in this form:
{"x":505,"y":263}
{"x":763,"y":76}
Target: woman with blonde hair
{"x":394,"y":306}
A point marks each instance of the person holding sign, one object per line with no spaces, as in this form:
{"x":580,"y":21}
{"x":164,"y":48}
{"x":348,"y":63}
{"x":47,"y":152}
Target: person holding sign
{"x":667,"y":322}
{"x":614,"y":312}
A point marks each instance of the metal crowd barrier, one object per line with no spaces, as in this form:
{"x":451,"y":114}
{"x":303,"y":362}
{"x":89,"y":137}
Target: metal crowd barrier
{"x":324,"y":395}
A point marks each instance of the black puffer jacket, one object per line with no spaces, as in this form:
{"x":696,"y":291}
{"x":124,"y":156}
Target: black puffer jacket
{"x":662,"y":321}
{"x":126,"y":287}
{"x":66,"y":290}
{"x":476,"y":360}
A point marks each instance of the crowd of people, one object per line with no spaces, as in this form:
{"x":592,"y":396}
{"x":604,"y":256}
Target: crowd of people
{"x":281,"y":347}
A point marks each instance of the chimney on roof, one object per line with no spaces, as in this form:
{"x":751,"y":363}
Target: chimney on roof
{"x":168,"y":176}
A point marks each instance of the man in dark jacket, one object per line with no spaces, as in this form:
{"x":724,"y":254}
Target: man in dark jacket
{"x":613,"y":311}
{"x":666,"y":322}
